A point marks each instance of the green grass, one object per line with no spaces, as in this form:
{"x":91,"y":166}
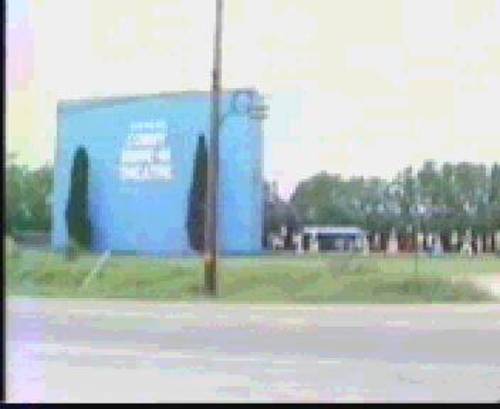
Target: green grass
{"x":307,"y":279}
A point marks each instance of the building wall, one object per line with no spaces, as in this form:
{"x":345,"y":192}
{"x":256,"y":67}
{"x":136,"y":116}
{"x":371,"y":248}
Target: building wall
{"x":150,"y":216}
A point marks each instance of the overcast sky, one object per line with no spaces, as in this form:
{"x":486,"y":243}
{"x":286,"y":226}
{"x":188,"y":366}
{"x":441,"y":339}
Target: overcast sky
{"x":357,"y":87}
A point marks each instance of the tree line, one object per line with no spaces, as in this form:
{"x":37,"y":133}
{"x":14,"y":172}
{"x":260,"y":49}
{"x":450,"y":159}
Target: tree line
{"x":438,"y":197}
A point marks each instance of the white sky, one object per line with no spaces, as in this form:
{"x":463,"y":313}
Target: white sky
{"x":358,"y":87}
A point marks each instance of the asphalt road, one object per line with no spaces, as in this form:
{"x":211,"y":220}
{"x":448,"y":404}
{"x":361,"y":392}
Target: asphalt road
{"x":121,"y":351}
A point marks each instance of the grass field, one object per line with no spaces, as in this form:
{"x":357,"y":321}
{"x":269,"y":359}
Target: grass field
{"x":280,"y":279}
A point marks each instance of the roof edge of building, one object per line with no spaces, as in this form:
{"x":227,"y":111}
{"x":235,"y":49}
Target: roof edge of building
{"x":62,"y":103}
{"x":333,"y":229}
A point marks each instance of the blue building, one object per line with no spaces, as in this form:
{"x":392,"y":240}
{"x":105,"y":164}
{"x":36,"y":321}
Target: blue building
{"x":141,"y":153}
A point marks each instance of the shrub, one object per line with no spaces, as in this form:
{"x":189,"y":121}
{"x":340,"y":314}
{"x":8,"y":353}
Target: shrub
{"x":195,"y":223}
{"x":11,"y":248}
{"x":77,"y":219}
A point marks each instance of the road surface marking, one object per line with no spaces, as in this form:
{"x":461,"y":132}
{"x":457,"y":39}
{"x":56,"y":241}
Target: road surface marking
{"x":329,"y":361}
{"x":58,"y":349}
{"x":49,"y":349}
{"x":237,"y":359}
{"x":283,"y":362}
{"x":397,"y":323}
{"x":140,"y":314}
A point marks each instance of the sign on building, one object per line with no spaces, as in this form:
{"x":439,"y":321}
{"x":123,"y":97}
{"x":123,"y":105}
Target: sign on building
{"x":146,"y":155}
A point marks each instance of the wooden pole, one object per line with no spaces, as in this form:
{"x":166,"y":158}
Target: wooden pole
{"x":211,"y":278}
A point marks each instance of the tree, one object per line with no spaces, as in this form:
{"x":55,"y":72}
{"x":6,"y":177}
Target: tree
{"x":313,"y":198}
{"x":27,"y":192}
{"x":325,"y":199}
{"x":270,"y":223}
{"x":77,"y":218}
{"x":278,"y":213}
{"x":429,"y":181}
{"x":14,"y":175}
{"x":274,"y":209}
{"x":494,"y":199}
{"x":494,"y":196}
{"x":407,"y":192}
{"x":195,"y":223}
{"x":38,"y":190}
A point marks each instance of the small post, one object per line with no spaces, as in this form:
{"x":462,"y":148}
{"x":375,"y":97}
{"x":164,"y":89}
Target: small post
{"x":97,"y":269}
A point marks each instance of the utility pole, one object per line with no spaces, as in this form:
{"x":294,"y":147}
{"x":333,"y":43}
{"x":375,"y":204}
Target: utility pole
{"x":211,"y":279}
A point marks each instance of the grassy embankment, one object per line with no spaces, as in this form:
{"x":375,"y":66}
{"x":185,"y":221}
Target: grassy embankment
{"x":308,"y":279}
